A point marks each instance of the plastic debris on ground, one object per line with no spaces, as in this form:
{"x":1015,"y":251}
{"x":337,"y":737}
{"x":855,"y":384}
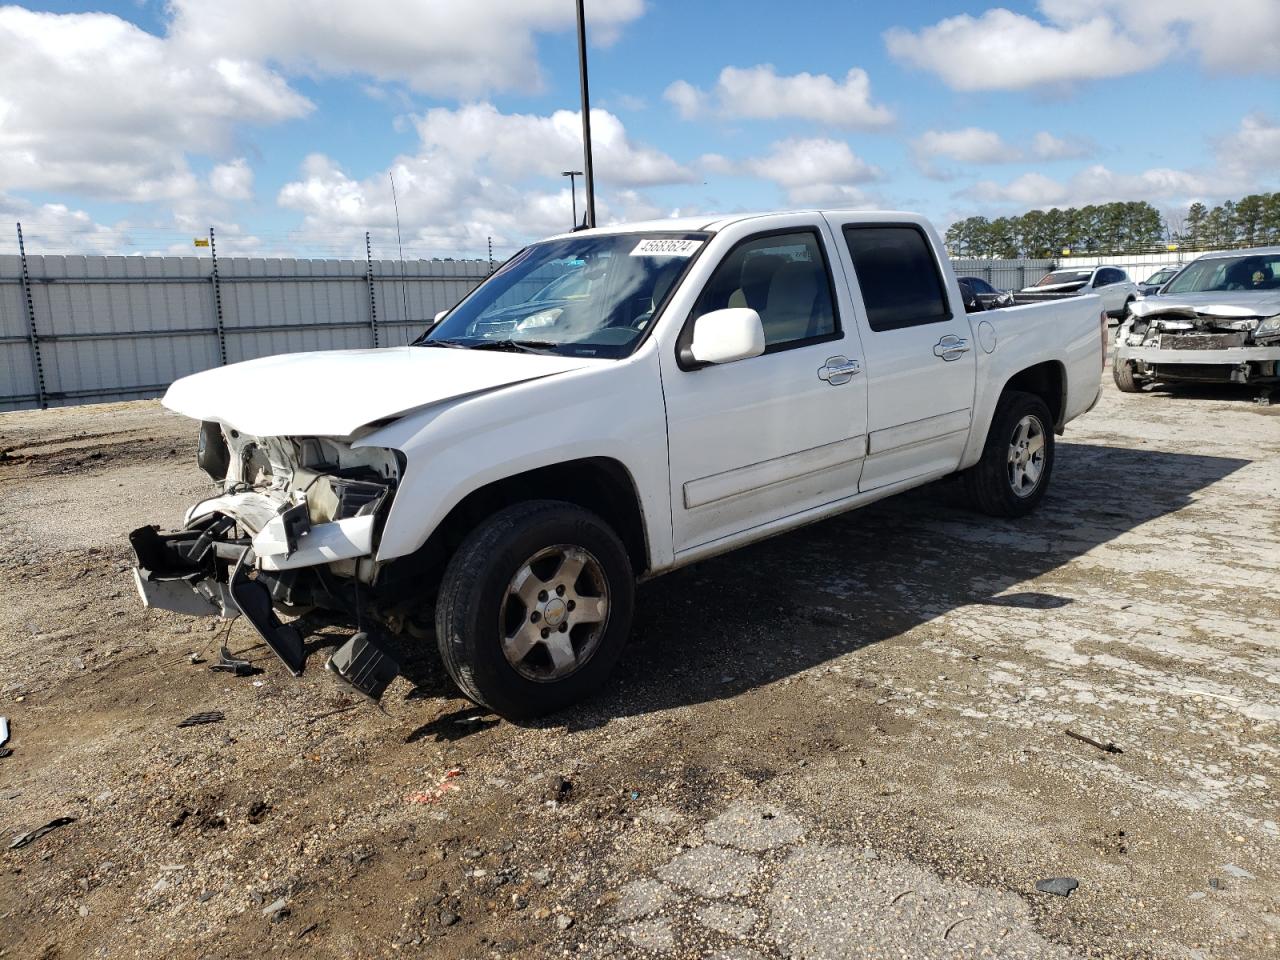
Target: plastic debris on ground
{"x":445,"y":786}
{"x":31,"y":836}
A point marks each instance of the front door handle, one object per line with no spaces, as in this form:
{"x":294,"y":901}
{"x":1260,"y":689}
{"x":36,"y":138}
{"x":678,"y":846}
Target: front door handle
{"x":838,"y":370}
{"x":951,"y":347}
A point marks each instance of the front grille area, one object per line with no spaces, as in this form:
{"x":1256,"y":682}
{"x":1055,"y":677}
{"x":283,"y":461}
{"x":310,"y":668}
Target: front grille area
{"x":1213,"y":372}
{"x":1201,"y":341}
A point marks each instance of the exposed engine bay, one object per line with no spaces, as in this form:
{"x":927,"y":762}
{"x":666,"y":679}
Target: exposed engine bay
{"x":294,"y":527}
{"x":1204,"y":342}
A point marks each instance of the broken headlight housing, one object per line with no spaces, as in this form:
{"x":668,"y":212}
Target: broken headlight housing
{"x":1268,"y":328}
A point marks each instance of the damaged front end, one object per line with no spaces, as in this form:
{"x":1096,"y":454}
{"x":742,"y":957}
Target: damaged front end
{"x":295,"y":528}
{"x":1215,"y":342}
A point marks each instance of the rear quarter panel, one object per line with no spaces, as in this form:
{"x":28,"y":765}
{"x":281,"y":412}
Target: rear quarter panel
{"x":1065,"y":332}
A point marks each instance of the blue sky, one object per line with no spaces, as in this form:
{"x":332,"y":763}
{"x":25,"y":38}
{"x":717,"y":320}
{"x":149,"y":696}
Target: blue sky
{"x":132,"y":126}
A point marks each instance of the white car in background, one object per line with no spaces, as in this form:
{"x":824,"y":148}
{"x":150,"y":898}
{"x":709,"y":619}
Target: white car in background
{"x":1111,"y":284}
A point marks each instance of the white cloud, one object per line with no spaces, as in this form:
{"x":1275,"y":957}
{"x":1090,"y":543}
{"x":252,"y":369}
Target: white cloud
{"x":522,"y":145}
{"x":91,"y":104}
{"x":794,"y":163}
{"x":56,"y":228}
{"x":970,"y":145}
{"x":811,"y":172}
{"x":1045,"y":146}
{"x":688,"y":100}
{"x":1233,"y":35}
{"x":232,"y":181}
{"x":1247,"y":161}
{"x":1076,"y":40}
{"x":479,"y":173}
{"x":1096,"y":184}
{"x":444,"y":47}
{"x":94,"y":105}
{"x":759,"y":92}
{"x":1002,"y":50}
{"x":1252,"y":154}
{"x":975,"y":145}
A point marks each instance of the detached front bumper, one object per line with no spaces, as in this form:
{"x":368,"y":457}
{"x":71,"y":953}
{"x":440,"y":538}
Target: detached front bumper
{"x":245,"y":554}
{"x":1229,"y":364}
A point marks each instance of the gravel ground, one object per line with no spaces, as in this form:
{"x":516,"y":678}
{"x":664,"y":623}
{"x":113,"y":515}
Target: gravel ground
{"x":848,"y":741}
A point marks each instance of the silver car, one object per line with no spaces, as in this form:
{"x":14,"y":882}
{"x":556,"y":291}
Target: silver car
{"x":1218,"y":320}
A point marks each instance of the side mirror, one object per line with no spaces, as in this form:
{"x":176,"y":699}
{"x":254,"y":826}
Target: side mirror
{"x":723,"y":336}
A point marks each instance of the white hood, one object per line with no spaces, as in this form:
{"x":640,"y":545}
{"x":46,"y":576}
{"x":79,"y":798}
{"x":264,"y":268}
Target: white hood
{"x":335,"y":392}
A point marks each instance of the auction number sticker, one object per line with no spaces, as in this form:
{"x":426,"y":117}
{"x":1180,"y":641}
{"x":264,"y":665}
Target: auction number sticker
{"x":666,"y":248}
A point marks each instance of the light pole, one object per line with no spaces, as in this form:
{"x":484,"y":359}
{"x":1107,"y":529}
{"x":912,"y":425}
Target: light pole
{"x":588,"y":177}
{"x":573,"y":192}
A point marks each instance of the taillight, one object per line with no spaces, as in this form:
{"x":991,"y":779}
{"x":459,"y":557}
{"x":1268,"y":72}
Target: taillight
{"x":1102,"y":329}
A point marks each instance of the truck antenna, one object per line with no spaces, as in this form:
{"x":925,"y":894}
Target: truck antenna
{"x":404,"y":295}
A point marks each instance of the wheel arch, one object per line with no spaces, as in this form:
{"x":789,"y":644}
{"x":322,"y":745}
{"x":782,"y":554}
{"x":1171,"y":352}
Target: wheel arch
{"x":1048,"y":381}
{"x":602,"y":485}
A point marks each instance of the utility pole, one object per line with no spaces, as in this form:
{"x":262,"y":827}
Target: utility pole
{"x":573,"y":192}
{"x":588,"y":177}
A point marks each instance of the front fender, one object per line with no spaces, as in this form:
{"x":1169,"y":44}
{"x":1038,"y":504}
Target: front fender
{"x":614,"y":411}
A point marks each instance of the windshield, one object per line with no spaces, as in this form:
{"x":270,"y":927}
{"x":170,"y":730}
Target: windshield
{"x":1065,"y":276}
{"x":1251,"y":272}
{"x":1160,"y":276}
{"x":590,"y":296}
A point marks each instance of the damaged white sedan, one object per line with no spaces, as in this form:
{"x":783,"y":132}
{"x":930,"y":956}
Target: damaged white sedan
{"x":1217,"y":321}
{"x":610,"y":405}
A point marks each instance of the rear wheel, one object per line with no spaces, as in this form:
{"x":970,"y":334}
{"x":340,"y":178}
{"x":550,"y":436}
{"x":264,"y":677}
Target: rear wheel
{"x":534,"y":608}
{"x":1122,"y":373}
{"x":1017,"y":460}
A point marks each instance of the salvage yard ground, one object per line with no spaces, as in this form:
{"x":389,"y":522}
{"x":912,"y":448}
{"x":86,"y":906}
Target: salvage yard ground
{"x":845,"y":742}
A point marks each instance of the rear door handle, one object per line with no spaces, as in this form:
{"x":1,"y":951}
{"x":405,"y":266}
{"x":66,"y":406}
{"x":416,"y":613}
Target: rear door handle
{"x":838,"y":370}
{"x":951,"y":347}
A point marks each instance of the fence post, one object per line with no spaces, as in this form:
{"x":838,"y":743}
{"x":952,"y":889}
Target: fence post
{"x":491,"y":254}
{"x":373,"y":302}
{"x":33,"y":335}
{"x":217,"y":301}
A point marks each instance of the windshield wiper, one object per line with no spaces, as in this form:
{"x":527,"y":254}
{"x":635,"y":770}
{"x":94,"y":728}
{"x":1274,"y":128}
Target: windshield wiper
{"x":523,"y":346}
{"x":442,"y":342}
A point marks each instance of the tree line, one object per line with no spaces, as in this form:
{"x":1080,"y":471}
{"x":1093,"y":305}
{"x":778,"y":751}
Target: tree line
{"x":1109,"y":229}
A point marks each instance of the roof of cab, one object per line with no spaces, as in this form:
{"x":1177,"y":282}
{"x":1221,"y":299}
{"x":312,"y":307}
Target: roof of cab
{"x":714,"y":222}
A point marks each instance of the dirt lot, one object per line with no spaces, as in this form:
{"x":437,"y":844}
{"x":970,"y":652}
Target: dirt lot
{"x":845,"y":742}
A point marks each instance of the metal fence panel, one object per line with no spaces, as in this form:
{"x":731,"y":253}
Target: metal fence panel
{"x":1004,"y":274}
{"x":1016,"y":274}
{"x":17,"y":366}
{"x":113,"y":328}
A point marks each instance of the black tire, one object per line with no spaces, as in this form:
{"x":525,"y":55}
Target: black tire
{"x":473,"y":599}
{"x":1122,"y":373}
{"x":988,"y":482}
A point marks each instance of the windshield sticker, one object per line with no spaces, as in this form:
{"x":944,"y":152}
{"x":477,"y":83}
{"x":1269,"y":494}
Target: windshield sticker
{"x":666,"y":248}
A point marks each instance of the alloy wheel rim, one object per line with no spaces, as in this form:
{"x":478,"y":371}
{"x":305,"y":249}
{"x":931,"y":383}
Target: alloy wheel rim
{"x":554,"y":613}
{"x":1026,"y":456}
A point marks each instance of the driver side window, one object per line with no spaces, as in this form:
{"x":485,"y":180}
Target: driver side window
{"x":784,"y":278}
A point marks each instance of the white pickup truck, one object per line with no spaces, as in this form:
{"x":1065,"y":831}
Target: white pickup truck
{"x":695,"y":385}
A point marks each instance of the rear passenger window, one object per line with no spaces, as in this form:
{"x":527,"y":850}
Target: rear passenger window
{"x":784,"y":278}
{"x":900,"y":282}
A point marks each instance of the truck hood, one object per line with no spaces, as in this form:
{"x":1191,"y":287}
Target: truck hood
{"x":333,"y":393}
{"x":1215,"y":303}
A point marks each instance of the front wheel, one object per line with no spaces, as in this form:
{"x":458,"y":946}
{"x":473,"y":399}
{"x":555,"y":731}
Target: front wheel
{"x":1013,"y":473}
{"x":1122,"y":373}
{"x":534,"y":608}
